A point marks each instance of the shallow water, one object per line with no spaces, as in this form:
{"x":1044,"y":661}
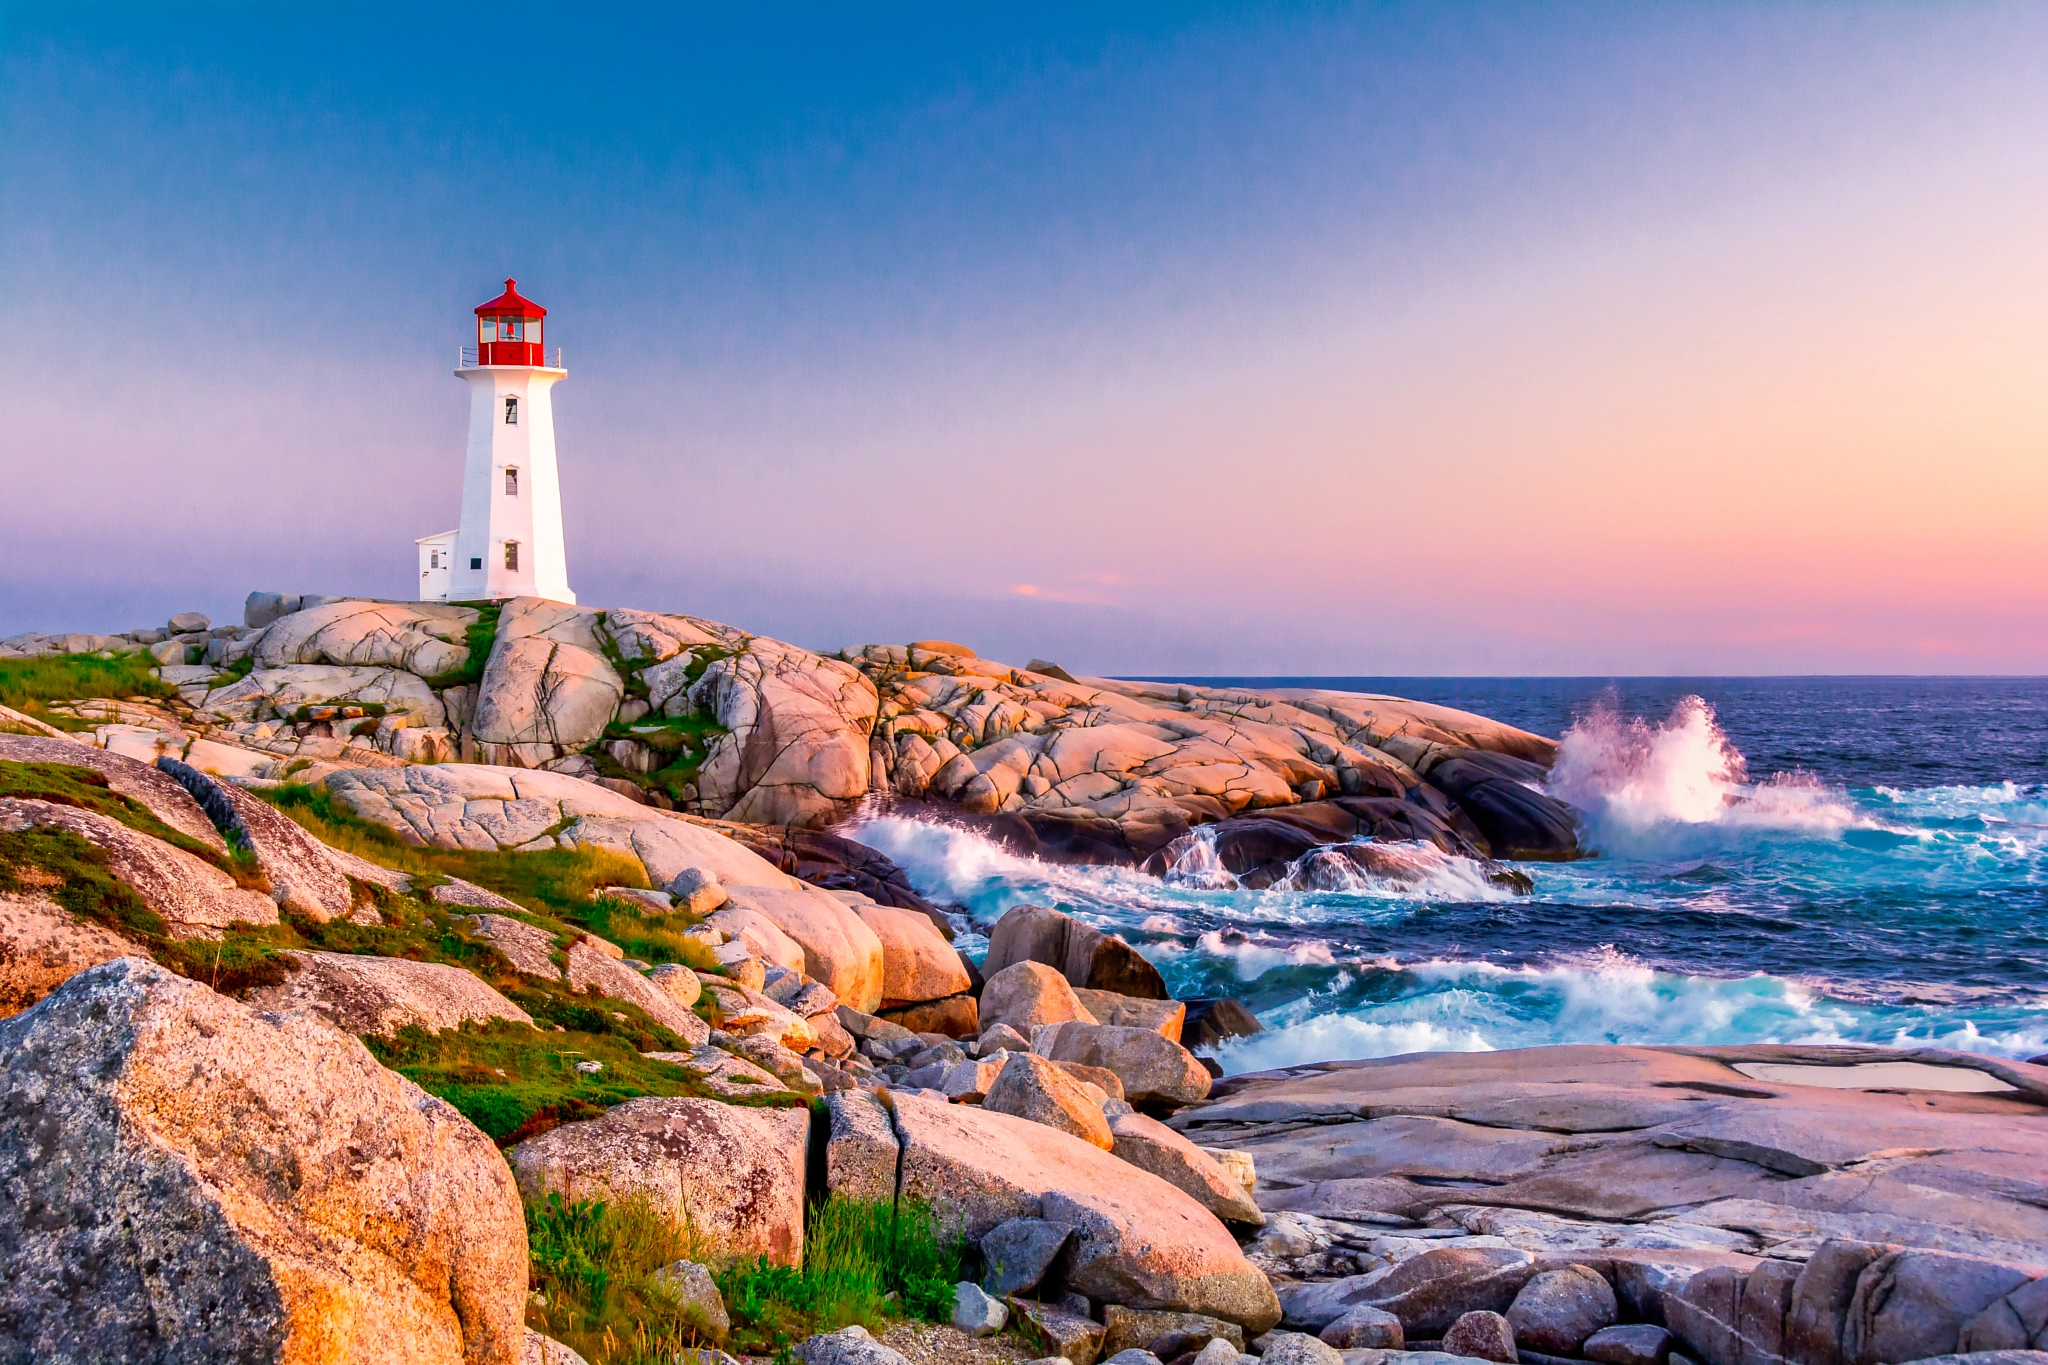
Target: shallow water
{"x":1781,"y":860}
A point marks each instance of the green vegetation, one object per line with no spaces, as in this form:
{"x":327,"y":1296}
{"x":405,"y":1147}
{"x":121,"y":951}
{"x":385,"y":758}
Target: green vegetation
{"x":483,"y":633}
{"x":864,"y":1262}
{"x":595,"y":1265}
{"x":30,"y":685}
{"x":514,"y":1082}
{"x":66,"y":784}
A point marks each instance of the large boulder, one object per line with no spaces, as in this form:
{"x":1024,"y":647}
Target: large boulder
{"x":1154,"y":1070}
{"x":1029,"y":1087}
{"x":1027,"y":995}
{"x":2017,"y":1322}
{"x":269,"y":693}
{"x":589,"y":967}
{"x":1151,"y":1146}
{"x":1556,"y":1311}
{"x":861,"y":1150}
{"x":1912,"y":1304}
{"x":735,"y":1176}
{"x":1085,"y":955}
{"x":1427,"y":1292}
{"x":839,"y":948}
{"x":182,"y":1178}
{"x":1164,"y":1017}
{"x":359,"y":994}
{"x":917,"y":964}
{"x":1137,"y":1240}
{"x":795,"y":751}
{"x":425,"y":638}
{"x":547,"y":691}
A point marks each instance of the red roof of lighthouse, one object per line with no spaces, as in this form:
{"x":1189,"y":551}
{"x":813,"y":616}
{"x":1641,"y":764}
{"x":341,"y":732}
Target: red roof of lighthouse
{"x":509,"y":304}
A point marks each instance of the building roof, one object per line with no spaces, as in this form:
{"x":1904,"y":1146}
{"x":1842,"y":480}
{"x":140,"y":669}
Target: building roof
{"x":509,"y":304}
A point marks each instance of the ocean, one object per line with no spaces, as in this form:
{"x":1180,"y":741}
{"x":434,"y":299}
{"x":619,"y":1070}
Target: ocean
{"x":1790,"y":860}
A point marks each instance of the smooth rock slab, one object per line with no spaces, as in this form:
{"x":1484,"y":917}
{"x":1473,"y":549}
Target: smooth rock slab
{"x":735,"y":1176}
{"x":358,"y":994}
{"x":847,"y":1346}
{"x":185,"y":1179}
{"x":1151,"y":1146}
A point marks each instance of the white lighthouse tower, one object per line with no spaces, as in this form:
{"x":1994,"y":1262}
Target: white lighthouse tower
{"x":510,"y":541}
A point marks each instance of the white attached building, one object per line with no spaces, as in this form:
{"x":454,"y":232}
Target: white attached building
{"x":510,"y":541}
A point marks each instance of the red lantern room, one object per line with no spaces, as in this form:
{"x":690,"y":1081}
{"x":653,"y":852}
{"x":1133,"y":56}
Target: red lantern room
{"x":508,"y":330}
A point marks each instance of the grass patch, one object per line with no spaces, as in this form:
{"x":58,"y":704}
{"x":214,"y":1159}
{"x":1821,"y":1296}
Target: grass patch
{"x":513,"y":1082}
{"x":66,"y":784}
{"x":649,"y":937}
{"x":864,"y":1262}
{"x":595,"y":1264}
{"x":30,"y":685}
{"x":483,"y":633}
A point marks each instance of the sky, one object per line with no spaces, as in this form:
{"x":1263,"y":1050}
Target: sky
{"x":1307,"y":339}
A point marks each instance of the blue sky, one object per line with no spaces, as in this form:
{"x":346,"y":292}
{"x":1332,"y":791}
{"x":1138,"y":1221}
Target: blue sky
{"x":1395,"y":339}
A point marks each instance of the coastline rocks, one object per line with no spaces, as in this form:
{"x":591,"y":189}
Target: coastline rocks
{"x":861,"y":1150}
{"x":2017,"y":1322}
{"x":184,"y":1176}
{"x":424,"y":638}
{"x":1365,"y":1329}
{"x":357,"y":994}
{"x":1636,"y":1343}
{"x":1137,"y":1240}
{"x":1028,"y":995}
{"x":1427,"y":1292}
{"x":1166,"y":1336}
{"x":736,"y":1176}
{"x":1032,"y":1088}
{"x":476,"y":806}
{"x":1557,"y":1310}
{"x":796,"y":747}
{"x":590,"y":967}
{"x":839,"y":948}
{"x":1154,"y":1071}
{"x":1482,"y":1335}
{"x":1151,"y":1146}
{"x":975,"y":1313}
{"x":917,"y":964}
{"x":1298,"y":1348}
{"x":304,"y":879}
{"x":547,"y":691}
{"x":1164,"y":1017}
{"x":1073,"y":1337}
{"x":42,"y":945}
{"x":847,"y":1346}
{"x":1087,"y":957}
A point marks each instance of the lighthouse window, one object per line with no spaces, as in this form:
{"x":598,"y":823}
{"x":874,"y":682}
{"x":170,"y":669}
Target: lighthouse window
{"x":511,"y":412}
{"x":434,"y":560}
{"x":512,"y":554}
{"x":476,"y":561}
{"x":511,"y":483}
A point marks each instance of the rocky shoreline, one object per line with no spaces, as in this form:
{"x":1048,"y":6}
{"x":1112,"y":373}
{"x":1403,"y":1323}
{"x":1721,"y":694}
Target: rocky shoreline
{"x":738,"y":1016}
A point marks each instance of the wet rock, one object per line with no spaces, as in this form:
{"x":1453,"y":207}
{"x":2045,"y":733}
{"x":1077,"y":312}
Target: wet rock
{"x":1017,"y":1255}
{"x":1559,"y":1309}
{"x":1365,"y":1329}
{"x":1026,"y":995}
{"x":1032,"y":1088}
{"x":1163,"y":1017}
{"x":1059,"y":1333}
{"x":1636,"y":1343}
{"x":1211,"y":1019}
{"x":1154,"y":1071}
{"x":734,"y":1175}
{"x":975,"y":1313}
{"x":359,"y":994}
{"x":1086,"y":956}
{"x":211,"y":1184}
{"x":1483,"y":1336}
{"x":1167,"y":1336}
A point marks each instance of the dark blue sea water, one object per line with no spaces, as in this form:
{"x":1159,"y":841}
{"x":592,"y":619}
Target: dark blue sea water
{"x":1780,"y":860}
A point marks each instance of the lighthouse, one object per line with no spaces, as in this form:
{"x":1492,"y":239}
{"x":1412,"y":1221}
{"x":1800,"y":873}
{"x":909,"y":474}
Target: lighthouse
{"x":510,"y":542}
